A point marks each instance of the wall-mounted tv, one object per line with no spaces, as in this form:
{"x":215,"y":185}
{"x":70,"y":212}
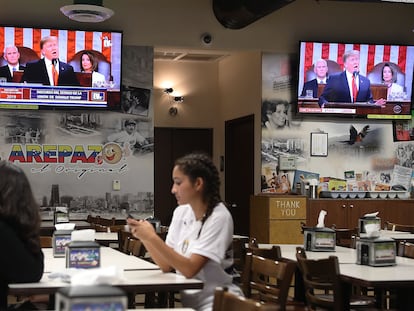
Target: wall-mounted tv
{"x":355,"y":80}
{"x":53,"y":71}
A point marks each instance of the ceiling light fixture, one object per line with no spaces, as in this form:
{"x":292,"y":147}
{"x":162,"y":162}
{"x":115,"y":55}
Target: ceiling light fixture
{"x":87,"y":11}
{"x":168,"y":90}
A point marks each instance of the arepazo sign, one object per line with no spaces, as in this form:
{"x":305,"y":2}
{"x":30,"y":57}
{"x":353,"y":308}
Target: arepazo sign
{"x":72,"y":159}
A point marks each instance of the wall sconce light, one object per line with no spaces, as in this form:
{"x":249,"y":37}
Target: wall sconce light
{"x":173,"y":111}
{"x":168,"y":90}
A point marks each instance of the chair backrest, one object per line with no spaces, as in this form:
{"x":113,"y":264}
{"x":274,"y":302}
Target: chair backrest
{"x":333,"y":67}
{"x":46,"y":241}
{"x":344,"y":236}
{"x":104,"y":66}
{"x":253,"y":242}
{"x":375,"y":75}
{"x":226,"y":301}
{"x":273,"y":253}
{"x":239,"y":253}
{"x":135,"y":247}
{"x":398,"y":227}
{"x":123,"y":240}
{"x":27,"y":55}
{"x":321,"y":275}
{"x":300,"y":252}
{"x":406,"y":249}
{"x":267,"y":280}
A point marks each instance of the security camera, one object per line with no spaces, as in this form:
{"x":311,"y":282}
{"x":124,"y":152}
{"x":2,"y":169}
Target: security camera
{"x":206,"y":38}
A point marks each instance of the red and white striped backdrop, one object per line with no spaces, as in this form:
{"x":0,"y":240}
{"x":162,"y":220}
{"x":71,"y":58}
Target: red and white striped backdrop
{"x":70,"y":41}
{"x":370,"y":55}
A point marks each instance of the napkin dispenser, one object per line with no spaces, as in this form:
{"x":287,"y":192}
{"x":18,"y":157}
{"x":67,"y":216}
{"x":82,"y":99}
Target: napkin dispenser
{"x":319,"y":239}
{"x":83,"y":254}
{"x":60,"y":215}
{"x":368,"y":220}
{"x":99,"y":297}
{"x":61,"y":238}
{"x":376,"y":252}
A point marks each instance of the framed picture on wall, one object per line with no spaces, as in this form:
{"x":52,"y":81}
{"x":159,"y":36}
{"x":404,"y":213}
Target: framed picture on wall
{"x":403,"y":130}
{"x":319,"y":144}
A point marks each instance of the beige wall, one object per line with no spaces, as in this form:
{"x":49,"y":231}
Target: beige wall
{"x":213,"y":93}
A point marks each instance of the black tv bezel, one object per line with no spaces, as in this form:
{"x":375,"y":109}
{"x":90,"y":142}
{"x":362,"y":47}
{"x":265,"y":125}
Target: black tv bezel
{"x":108,"y":107}
{"x":324,"y":115}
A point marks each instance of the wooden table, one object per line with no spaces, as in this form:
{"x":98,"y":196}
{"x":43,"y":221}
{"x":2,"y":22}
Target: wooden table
{"x":399,"y":278}
{"x":140,"y":276}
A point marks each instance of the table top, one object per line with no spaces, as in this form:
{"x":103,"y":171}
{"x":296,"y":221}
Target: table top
{"x":397,"y":235}
{"x":401,"y":274}
{"x":135,"y":281}
{"x":109,"y":257}
{"x":106,"y":236}
{"x":79,"y":224}
{"x":344,"y":254}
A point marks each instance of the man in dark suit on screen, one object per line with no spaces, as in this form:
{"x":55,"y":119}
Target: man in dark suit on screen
{"x":349,"y":86}
{"x":49,"y":70}
{"x":321,"y":71}
{"x":11,"y":55}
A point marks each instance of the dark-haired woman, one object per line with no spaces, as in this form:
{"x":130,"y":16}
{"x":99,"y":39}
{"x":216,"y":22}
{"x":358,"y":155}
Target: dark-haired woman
{"x":198,"y":244}
{"x":389,"y":78}
{"x":21,"y":259}
{"x":89,"y":64}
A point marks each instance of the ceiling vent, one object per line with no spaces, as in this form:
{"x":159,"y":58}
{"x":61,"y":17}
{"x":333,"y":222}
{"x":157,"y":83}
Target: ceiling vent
{"x":85,"y":11}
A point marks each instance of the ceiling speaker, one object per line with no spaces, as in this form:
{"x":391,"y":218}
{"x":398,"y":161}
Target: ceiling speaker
{"x":87,"y":11}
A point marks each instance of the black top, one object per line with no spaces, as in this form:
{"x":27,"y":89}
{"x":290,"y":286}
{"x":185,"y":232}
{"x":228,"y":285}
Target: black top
{"x":18,"y":264}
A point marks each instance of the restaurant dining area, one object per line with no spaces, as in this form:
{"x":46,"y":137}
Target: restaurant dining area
{"x":208,"y":155}
{"x":369,"y":267}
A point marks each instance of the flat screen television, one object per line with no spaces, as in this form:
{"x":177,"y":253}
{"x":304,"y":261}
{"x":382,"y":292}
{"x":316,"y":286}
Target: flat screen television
{"x":332,"y":97}
{"x":22,"y":90}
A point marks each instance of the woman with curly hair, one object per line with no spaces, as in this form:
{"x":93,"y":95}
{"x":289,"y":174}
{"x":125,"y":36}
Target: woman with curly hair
{"x":22,"y":257}
{"x":199,"y":239}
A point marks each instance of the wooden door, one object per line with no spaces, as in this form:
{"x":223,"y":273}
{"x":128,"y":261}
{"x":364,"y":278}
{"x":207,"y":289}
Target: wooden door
{"x":239,"y":170}
{"x":171,"y":143}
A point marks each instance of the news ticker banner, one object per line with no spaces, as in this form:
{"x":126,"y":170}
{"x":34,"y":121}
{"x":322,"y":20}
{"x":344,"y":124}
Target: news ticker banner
{"x":27,"y":95}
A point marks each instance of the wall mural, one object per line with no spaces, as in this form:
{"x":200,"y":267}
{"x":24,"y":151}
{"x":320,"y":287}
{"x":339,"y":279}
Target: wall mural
{"x":355,"y":145}
{"x":94,"y":162}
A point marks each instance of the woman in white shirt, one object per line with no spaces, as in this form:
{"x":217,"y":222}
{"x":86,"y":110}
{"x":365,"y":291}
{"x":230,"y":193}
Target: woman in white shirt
{"x":389,"y":78}
{"x":88,"y":63}
{"x":199,"y":239}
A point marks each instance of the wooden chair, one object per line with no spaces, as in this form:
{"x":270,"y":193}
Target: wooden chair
{"x":323,"y":286}
{"x":344,"y":236}
{"x":399,"y":227}
{"x":239,"y":254}
{"x":123,"y":240}
{"x":46,"y":241}
{"x":226,"y":301}
{"x":273,"y":253}
{"x":406,"y":249}
{"x":135,"y":247}
{"x":267,"y":280}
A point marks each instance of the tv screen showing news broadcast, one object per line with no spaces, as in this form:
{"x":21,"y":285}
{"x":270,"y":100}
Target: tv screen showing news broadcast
{"x":44,"y":68}
{"x":355,"y":80}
